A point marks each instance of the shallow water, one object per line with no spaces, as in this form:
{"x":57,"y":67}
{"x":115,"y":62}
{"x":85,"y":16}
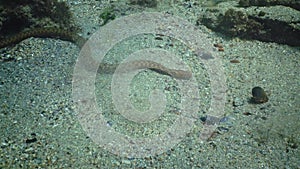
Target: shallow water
{"x":42,"y":126}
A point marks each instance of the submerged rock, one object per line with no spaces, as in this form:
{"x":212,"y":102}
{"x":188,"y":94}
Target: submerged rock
{"x":269,"y":24}
{"x":259,"y":95}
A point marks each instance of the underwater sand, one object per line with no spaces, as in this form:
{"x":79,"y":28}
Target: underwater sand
{"x":40,"y":129}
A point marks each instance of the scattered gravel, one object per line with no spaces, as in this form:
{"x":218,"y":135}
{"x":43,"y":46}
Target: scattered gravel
{"x":40,"y":129}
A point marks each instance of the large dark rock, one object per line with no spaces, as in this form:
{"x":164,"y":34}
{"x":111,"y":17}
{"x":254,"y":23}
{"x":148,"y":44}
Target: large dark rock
{"x":256,"y":23}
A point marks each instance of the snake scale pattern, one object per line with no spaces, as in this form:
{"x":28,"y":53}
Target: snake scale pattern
{"x":146,"y":64}
{"x":79,"y":41}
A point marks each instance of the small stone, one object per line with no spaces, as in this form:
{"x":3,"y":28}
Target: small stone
{"x":31,"y":140}
{"x":19,"y":58}
{"x":126,"y":162}
{"x":237,"y":102}
{"x":259,"y":95}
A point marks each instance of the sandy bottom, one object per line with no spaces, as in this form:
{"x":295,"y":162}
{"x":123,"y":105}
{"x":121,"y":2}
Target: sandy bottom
{"x":40,"y":126}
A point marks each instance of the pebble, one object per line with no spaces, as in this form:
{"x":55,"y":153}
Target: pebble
{"x":259,"y":95}
{"x":31,"y":140}
{"x":237,"y":102}
{"x":126,"y":162}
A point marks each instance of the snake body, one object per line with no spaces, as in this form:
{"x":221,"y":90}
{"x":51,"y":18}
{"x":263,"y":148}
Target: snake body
{"x":43,"y":33}
{"x":145,"y":64}
{"x":79,"y":41}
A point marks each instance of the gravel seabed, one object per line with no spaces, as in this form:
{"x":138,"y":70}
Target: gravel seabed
{"x":39,"y":128}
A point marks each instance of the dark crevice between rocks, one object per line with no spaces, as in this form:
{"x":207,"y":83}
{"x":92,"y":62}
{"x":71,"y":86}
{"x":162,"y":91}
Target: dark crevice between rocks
{"x":295,"y":4}
{"x":236,"y":23}
{"x":278,"y":31}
